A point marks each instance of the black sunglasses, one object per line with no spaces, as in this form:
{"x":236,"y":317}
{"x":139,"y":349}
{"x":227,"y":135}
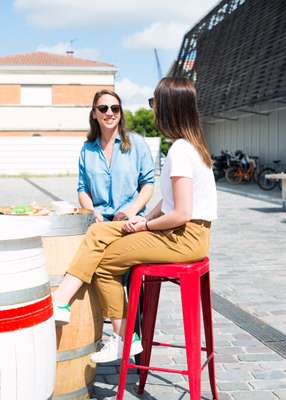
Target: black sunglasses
{"x":115,"y":108}
{"x":151,"y":102}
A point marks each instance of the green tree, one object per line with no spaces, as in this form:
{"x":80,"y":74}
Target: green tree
{"x":142,"y":121}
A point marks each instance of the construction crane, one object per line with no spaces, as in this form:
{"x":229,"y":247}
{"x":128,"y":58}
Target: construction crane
{"x":159,"y":69}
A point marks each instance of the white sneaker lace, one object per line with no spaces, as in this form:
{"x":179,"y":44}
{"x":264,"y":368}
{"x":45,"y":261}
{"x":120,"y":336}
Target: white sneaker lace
{"x":106,"y":345}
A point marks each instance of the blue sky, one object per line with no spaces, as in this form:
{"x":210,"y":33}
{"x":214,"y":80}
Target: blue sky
{"x":120,"y":32}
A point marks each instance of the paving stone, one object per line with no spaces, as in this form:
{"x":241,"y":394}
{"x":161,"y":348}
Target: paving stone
{"x":269,"y":384}
{"x":236,"y":375}
{"x":233,"y":386}
{"x":257,"y":395}
{"x":273,"y":365}
{"x":269,"y":375}
{"x":225,"y":358}
{"x":259,"y":357}
{"x":243,"y":366}
{"x":258,"y":349}
{"x":281,"y":394}
{"x":229,"y":350}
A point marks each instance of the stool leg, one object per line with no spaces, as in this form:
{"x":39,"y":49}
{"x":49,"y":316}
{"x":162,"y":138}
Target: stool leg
{"x":208,"y":325}
{"x":190,"y":295}
{"x":133,"y":300}
{"x":150,"y":307}
{"x":138,"y":321}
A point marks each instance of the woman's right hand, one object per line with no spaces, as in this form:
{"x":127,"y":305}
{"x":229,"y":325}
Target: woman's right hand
{"x":98,"y":217}
{"x":131,"y":225}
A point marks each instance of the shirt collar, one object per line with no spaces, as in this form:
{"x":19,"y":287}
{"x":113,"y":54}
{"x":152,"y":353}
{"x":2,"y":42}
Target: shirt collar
{"x":117,"y":140}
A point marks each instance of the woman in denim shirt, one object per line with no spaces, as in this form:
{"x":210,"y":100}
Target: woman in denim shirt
{"x":116,"y":170}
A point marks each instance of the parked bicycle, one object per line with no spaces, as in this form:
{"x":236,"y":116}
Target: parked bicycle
{"x":220,"y":164}
{"x":270,"y":184}
{"x":241,"y":168}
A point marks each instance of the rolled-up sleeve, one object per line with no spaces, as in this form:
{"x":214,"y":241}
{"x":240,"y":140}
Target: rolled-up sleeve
{"x":147,"y":166}
{"x":82,"y":177}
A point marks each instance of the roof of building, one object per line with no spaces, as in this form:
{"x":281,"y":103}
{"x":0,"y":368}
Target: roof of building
{"x":240,"y":57}
{"x":41,"y":58}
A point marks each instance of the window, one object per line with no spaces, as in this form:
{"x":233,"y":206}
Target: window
{"x":36,"y":95}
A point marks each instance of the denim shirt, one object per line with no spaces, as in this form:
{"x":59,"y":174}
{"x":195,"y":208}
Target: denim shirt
{"x":113,"y":188}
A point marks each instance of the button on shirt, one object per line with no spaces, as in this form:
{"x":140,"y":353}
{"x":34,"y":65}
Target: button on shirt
{"x":113,"y":188}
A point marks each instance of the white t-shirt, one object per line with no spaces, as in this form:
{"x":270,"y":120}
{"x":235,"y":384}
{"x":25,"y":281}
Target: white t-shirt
{"x":184,"y":160}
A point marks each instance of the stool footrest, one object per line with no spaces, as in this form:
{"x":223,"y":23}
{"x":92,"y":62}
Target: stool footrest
{"x":176,"y":371}
{"x":168,"y":345}
{"x":173,"y":345}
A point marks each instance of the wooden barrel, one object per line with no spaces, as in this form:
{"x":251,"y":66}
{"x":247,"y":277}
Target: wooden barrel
{"x":27,"y":329}
{"x":77,"y":340}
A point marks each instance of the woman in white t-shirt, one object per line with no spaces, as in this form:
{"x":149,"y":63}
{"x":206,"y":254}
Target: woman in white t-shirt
{"x":176,"y":230}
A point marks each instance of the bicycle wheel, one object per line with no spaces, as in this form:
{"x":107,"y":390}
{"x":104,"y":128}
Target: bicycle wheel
{"x":263,"y":182}
{"x":232,"y":176}
{"x":218,"y":174}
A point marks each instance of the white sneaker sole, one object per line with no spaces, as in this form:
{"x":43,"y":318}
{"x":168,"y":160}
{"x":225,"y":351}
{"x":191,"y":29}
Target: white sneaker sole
{"x":136,"y":348}
{"x":62,"y":317}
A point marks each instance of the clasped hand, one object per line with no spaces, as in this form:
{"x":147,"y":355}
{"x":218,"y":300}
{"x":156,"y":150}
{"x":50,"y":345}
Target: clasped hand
{"x":135,"y":224}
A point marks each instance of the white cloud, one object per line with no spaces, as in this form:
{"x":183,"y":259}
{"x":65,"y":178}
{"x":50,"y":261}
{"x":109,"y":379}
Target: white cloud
{"x":75,"y":13}
{"x":62,"y":47}
{"x":133,"y":95}
{"x":160,"y":35}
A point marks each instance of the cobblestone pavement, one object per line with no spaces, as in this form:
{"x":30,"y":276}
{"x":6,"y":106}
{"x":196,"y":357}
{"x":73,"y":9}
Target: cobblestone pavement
{"x":248,"y":258}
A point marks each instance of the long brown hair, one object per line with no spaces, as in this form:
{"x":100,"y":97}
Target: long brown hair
{"x":177,"y":116}
{"x":95,"y":130}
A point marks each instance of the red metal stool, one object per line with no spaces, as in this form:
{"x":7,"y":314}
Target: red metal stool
{"x":194,"y":282}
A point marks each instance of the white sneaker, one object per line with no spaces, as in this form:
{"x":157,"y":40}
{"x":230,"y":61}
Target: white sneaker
{"x":113,"y":348}
{"x":62,"y":313}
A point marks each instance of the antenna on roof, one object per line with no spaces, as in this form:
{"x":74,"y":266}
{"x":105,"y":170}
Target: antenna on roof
{"x":70,"y":51}
{"x":159,"y":69}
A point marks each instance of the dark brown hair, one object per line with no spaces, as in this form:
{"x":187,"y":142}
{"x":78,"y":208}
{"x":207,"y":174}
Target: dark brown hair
{"x":95,"y":130}
{"x":177,"y":116}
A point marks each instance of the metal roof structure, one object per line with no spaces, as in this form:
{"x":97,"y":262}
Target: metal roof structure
{"x":236,"y":56}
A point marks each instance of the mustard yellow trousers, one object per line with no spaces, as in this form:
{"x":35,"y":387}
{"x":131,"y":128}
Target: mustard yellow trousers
{"x":106,"y":253}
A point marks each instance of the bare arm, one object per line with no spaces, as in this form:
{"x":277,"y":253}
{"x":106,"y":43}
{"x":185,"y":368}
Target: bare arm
{"x":155,"y":212}
{"x":182,"y":212}
{"x":133,"y":209}
{"x":86,"y":202}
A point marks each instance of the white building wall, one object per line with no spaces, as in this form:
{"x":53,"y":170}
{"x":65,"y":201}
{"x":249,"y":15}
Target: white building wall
{"x":258,"y":135}
{"x":49,"y":155}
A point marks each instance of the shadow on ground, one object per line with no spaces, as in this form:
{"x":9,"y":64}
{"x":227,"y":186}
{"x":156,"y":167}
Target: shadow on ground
{"x":268,"y":210}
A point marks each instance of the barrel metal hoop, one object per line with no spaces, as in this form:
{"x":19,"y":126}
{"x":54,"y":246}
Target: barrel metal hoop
{"x":79,"y":394}
{"x":79,"y":352}
{"x":56,"y":280}
{"x":24,"y":295}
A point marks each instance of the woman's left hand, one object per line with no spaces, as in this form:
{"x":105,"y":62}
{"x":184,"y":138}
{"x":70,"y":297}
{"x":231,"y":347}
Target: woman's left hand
{"x":122,"y":215}
{"x":135,"y":224}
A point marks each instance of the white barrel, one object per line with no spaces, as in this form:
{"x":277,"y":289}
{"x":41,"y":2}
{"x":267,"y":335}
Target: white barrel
{"x":27,"y":329}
